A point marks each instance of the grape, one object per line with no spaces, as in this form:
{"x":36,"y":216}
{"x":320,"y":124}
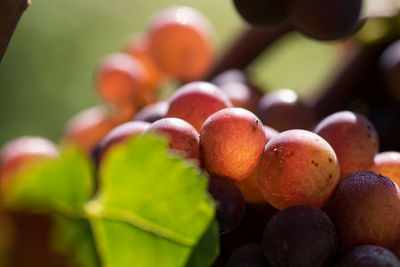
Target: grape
{"x":241,"y":95}
{"x":300,"y":236}
{"x":232,"y":240}
{"x":230,"y":76}
{"x":229,"y":202}
{"x":388,"y":164}
{"x":248,"y":255}
{"x":298,"y":168}
{"x":325,"y":19}
{"x":22,"y":151}
{"x":139,"y":48}
{"x":250,"y":230}
{"x":262,"y":12}
{"x":123,"y":113}
{"x":365,"y":208}
{"x":181,"y":135}
{"x":181,"y":42}
{"x":232,"y":142}
{"x":87,"y":128}
{"x":120,"y":134}
{"x":354,"y":139}
{"x":248,"y":96}
{"x":196,"y":101}
{"x":270,"y":132}
{"x":121,"y":79}
{"x":249,"y":186}
{"x":152,"y":112}
{"x":282,"y":110}
{"x":368,"y":256}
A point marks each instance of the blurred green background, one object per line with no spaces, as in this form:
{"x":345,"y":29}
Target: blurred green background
{"x":46,"y":73}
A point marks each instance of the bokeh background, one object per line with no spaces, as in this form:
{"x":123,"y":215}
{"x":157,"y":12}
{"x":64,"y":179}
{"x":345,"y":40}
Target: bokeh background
{"x":46,"y":73}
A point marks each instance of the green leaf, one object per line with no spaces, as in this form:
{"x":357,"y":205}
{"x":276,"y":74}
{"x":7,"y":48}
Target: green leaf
{"x":74,"y":238}
{"x":208,"y":245}
{"x":62,"y":185}
{"x":152,"y":208}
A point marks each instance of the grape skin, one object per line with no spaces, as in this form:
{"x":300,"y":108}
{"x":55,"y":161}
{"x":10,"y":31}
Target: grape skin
{"x":229,"y":201}
{"x":325,"y":19}
{"x":262,"y":12}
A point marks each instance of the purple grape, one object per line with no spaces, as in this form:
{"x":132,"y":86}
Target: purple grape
{"x":230,"y":203}
{"x":262,"y":12}
{"x":325,"y":19}
{"x":152,"y":112}
{"x":368,"y":256}
{"x":300,"y":236}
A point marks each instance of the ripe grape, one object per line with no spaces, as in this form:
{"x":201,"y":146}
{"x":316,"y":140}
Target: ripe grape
{"x":262,"y":12}
{"x":388,"y":164}
{"x":368,"y":256}
{"x":248,"y":96}
{"x":241,"y":95}
{"x":122,"y":113}
{"x":22,"y":151}
{"x":229,"y":203}
{"x":230,"y":76}
{"x":181,"y":42}
{"x":196,"y":101}
{"x":365,"y":208}
{"x":181,"y":135}
{"x":298,"y":168}
{"x":270,"y":132}
{"x":139,"y":48}
{"x":300,"y":236}
{"x":87,"y":128}
{"x":250,"y":186}
{"x":354,"y":139}
{"x":121,"y":79}
{"x":325,"y":19}
{"x":152,"y":112}
{"x":230,"y":241}
{"x":232,"y":142}
{"x":250,"y":230}
{"x":283,"y":110}
{"x":120,"y":134}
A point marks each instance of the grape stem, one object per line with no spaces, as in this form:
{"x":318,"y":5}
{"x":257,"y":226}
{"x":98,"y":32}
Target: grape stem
{"x":10,"y":13}
{"x":248,"y":45}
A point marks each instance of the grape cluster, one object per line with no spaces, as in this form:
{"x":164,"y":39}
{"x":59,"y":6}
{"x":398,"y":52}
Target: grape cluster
{"x":318,"y":19}
{"x":291,"y":187}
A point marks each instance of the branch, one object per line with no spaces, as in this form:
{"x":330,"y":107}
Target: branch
{"x":10,"y":12}
{"x":247,"y":47}
{"x":348,"y":83}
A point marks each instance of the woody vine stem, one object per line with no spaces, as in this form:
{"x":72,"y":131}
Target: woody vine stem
{"x":10,"y":13}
